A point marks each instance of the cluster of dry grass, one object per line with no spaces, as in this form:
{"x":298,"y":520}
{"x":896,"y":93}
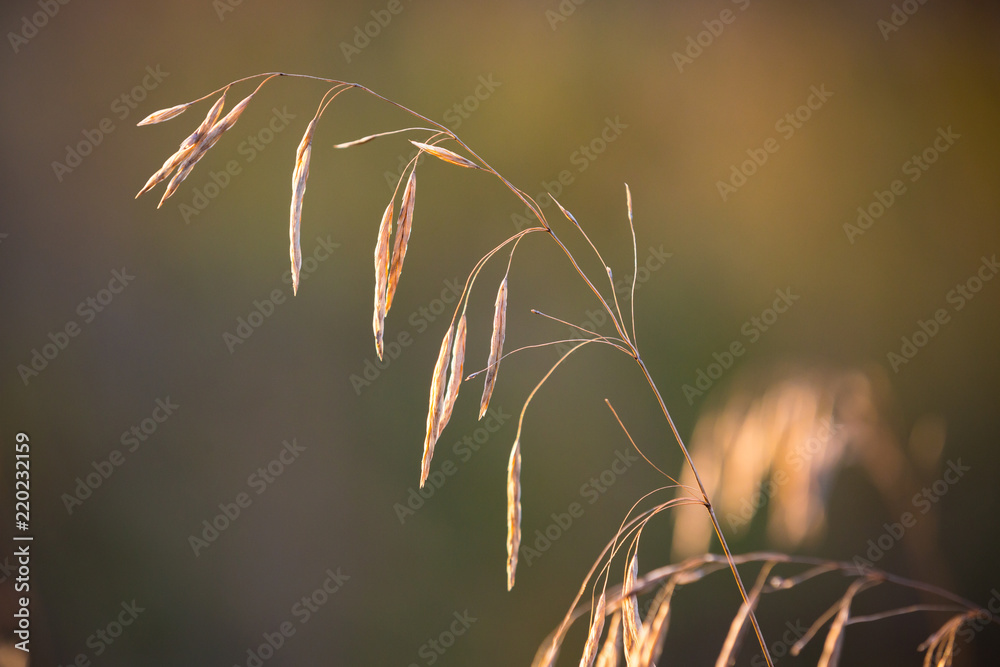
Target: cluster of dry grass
{"x":614,"y":612}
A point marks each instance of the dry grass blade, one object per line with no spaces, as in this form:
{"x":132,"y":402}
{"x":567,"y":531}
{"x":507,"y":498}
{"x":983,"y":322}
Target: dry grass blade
{"x":163,"y":115}
{"x":608,"y":657}
{"x":402,"y":237}
{"x":594,"y":636}
{"x":435,"y":406}
{"x":455,"y":380}
{"x":186,"y":147}
{"x":202,"y":146}
{"x":631,"y":622}
{"x":727,"y":656}
{"x":446,"y":155}
{"x":514,"y":513}
{"x":381,"y":276}
{"x":299,"y":177}
{"x":653,"y":633}
{"x":496,"y":346}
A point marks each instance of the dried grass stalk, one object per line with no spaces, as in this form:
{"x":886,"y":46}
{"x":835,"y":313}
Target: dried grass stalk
{"x":455,"y":381}
{"x":186,"y":147}
{"x":163,"y":115}
{"x":496,"y":346}
{"x":594,"y":636}
{"x":631,"y":622}
{"x":435,"y":406}
{"x":446,"y":155}
{"x":608,"y":656}
{"x":381,"y":276}
{"x":513,"y":511}
{"x":402,"y":237}
{"x":299,"y":176}
{"x":727,"y":656}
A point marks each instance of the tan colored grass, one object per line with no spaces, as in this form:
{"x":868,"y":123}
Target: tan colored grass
{"x":436,"y":405}
{"x":164,"y":115}
{"x":594,"y":635}
{"x":653,"y":634}
{"x":496,"y":346}
{"x":446,"y":155}
{"x":202,"y":147}
{"x":608,"y":657}
{"x":299,"y":177}
{"x":457,"y":368}
{"x":513,"y":511}
{"x":186,"y":147}
{"x":381,"y":276}
{"x":402,"y":236}
{"x":631,"y":622}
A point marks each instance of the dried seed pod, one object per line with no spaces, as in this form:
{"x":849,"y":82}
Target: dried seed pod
{"x":402,"y":237}
{"x":435,"y":406}
{"x":496,"y":346}
{"x":446,"y":155}
{"x":513,"y":511}
{"x":381,"y":276}
{"x":299,"y":176}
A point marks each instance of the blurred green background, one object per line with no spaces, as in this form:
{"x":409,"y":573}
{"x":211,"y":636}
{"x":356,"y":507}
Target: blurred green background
{"x":558,"y":75}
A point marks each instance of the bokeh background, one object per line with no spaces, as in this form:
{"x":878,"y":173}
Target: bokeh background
{"x":558,"y":73}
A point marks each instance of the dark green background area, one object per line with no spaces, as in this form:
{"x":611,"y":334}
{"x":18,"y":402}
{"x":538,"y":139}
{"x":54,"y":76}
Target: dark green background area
{"x":555,"y":85}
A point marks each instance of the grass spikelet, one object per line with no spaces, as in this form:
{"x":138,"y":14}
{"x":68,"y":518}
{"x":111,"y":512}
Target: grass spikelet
{"x":163,"y":115}
{"x":299,"y":176}
{"x":514,"y":511}
{"x":594,"y":636}
{"x":186,"y":147}
{"x":402,"y":237}
{"x":381,"y":276}
{"x":435,"y":406}
{"x":455,"y":381}
{"x":608,"y":657}
{"x":496,"y":346}
{"x":446,"y":155}
{"x":203,"y":145}
{"x":631,"y":622}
